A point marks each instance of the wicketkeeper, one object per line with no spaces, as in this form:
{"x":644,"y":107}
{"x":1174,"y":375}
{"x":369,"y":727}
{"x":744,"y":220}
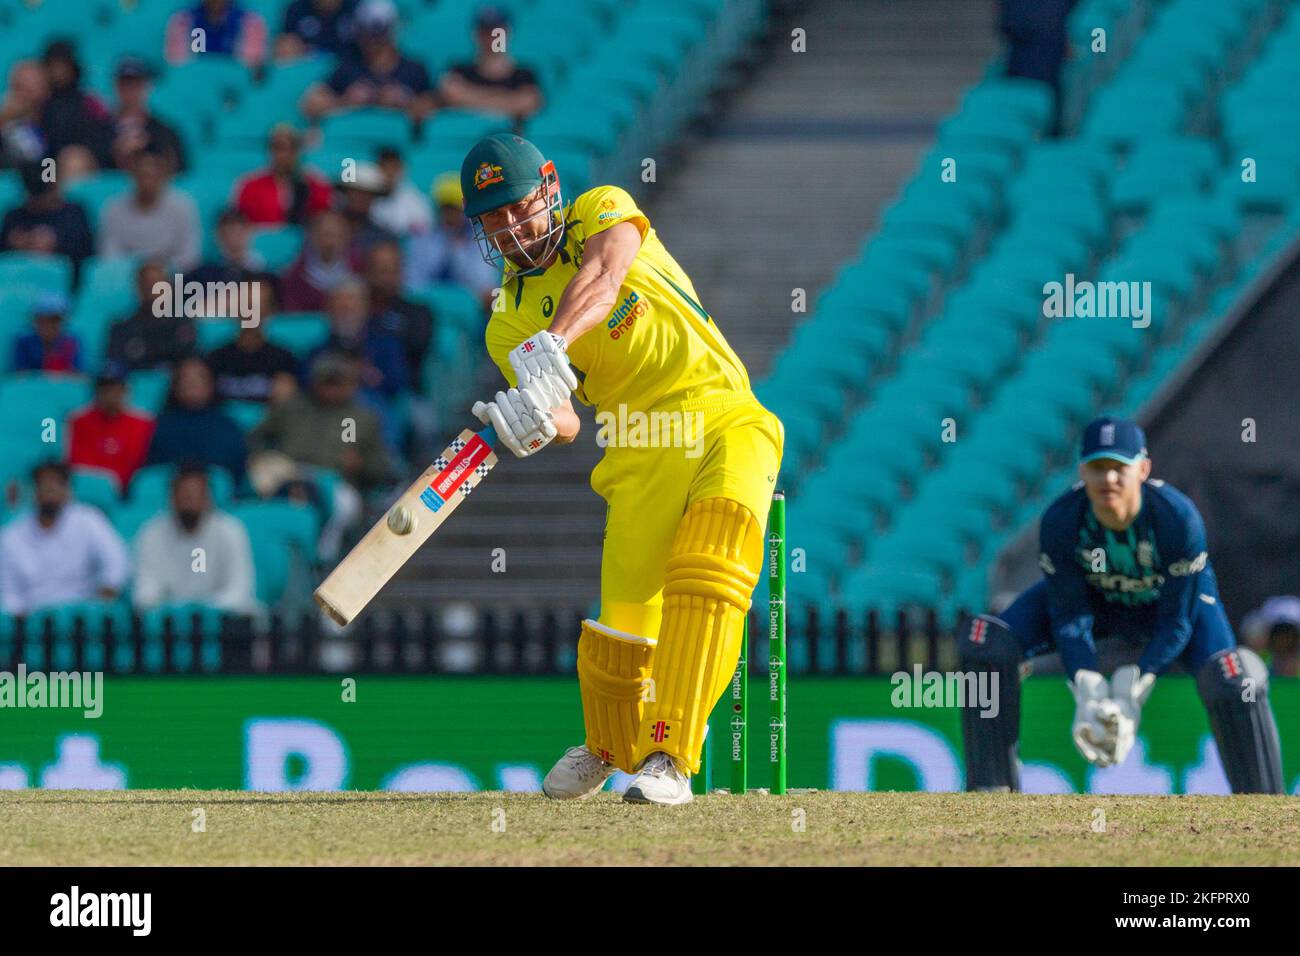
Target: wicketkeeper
{"x":594,"y":307}
{"x":1126,"y":573}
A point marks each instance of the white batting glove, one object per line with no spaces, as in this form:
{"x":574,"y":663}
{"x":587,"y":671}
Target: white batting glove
{"x":1089,"y":731}
{"x":1129,"y":690}
{"x":522,"y":427}
{"x":542,"y":369}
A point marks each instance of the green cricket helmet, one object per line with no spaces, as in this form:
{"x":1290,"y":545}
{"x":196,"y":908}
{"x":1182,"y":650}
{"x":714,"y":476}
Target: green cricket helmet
{"x":503,"y":169}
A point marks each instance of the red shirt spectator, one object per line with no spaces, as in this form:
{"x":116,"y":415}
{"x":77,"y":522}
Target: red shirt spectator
{"x":326,"y":262}
{"x":109,"y":435}
{"x":285,"y":192}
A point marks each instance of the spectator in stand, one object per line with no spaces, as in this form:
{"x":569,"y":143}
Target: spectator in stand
{"x":1035,"y":31}
{"x":47,"y":348}
{"x":307,"y":430}
{"x":165,"y":547}
{"x":155,"y":219}
{"x":146,"y":339}
{"x":78,"y":127}
{"x":108,"y":434}
{"x":236,"y":261}
{"x":309,"y":427}
{"x":134,"y":124}
{"x":379,"y":76}
{"x":192,"y":428}
{"x":284,"y":193}
{"x":60,"y":553}
{"x":251,"y":369}
{"x":22,"y":137}
{"x":229,"y":29}
{"x":403,"y":210}
{"x":493,"y":82}
{"x":449,"y":253}
{"x":1274,"y":631}
{"x":358,"y":194}
{"x":325,"y":262}
{"x":410,"y":322}
{"x":381,"y":360}
{"x":47,"y":223}
{"x":322,"y":27}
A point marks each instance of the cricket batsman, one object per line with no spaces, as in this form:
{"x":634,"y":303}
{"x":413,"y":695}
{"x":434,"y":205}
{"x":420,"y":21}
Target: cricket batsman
{"x":1126,"y":574}
{"x":594,"y":308}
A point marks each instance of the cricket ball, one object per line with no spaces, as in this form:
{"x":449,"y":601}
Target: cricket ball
{"x":401,"y":521}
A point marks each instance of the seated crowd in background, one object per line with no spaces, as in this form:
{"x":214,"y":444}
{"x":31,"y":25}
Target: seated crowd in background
{"x":371,"y":235}
{"x":65,"y":552}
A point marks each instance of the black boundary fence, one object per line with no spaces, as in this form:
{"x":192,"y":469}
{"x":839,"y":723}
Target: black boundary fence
{"x":419,"y":641}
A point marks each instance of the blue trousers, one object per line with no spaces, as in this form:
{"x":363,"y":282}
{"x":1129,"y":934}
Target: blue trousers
{"x":1030,"y":623}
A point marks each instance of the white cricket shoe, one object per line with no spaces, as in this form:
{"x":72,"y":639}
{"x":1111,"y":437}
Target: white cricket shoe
{"x":577,"y":775}
{"x":659,"y":780}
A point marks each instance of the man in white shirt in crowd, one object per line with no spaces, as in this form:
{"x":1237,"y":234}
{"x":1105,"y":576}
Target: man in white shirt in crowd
{"x":194,"y":553}
{"x":405,"y":210}
{"x":448,"y":252}
{"x":154,"y":219}
{"x":63,"y":552}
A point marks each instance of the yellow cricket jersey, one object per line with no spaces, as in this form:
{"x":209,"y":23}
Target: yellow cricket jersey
{"x":658,"y":345}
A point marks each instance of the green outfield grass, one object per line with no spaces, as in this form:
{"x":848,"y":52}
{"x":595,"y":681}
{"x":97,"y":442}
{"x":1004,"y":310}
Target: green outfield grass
{"x":144,"y":827}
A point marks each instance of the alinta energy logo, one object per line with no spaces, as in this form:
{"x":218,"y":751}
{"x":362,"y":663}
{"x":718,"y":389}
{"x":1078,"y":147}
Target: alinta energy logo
{"x":65,"y":690}
{"x":625,"y":315}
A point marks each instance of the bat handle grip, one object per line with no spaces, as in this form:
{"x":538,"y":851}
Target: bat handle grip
{"x":489,"y":435}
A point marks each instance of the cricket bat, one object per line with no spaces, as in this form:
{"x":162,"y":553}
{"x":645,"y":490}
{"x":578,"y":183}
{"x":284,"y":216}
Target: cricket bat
{"x":416,"y":515}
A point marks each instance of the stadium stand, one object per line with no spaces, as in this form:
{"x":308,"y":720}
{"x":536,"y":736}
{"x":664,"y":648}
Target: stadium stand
{"x":938,"y":328}
{"x":602,"y":112}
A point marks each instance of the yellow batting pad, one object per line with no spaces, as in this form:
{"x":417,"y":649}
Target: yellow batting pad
{"x":614,"y":678}
{"x":715,"y":562}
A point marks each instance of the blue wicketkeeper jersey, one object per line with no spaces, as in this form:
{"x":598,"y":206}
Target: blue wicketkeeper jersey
{"x":1142,"y":582}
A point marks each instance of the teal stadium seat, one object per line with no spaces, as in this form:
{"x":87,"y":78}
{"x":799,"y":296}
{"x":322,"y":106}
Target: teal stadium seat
{"x":213,"y":333}
{"x":278,"y":246}
{"x":95,"y":486}
{"x":29,"y":398}
{"x":298,"y":524}
{"x":367,"y":128}
{"x":181,"y":616}
{"x":30,"y":271}
{"x":248,"y":415}
{"x":94,"y":191}
{"x":299,"y":332}
{"x":131,"y":515}
{"x":147,"y":389}
{"x":271,"y":561}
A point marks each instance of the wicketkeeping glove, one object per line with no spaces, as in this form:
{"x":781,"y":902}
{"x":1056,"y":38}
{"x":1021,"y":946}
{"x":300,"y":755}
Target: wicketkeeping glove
{"x":1089,"y":730}
{"x":1129,"y":689}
